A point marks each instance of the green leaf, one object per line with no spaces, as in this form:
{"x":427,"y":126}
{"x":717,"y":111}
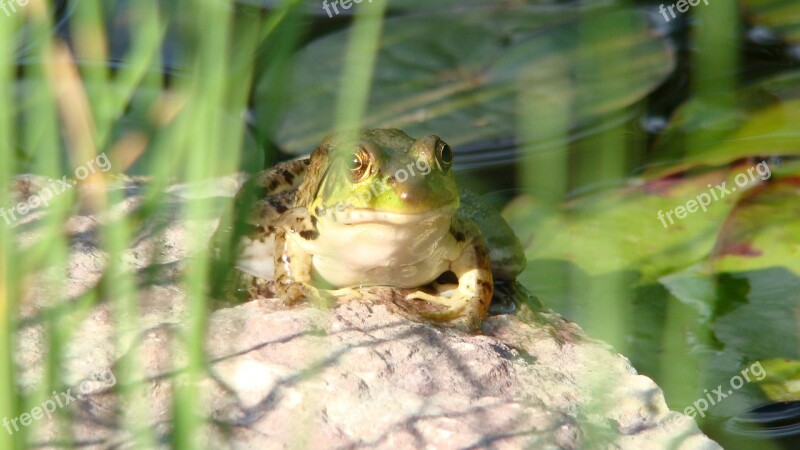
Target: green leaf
{"x":766,"y":325}
{"x":764,"y":123}
{"x":782,"y":382}
{"x":763,"y":231}
{"x":461,"y":76}
{"x":622,"y":230}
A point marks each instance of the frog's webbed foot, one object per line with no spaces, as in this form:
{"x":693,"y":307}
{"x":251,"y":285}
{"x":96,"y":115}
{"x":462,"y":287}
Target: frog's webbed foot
{"x":467,"y":304}
{"x":462,"y":308}
{"x":448,"y":308}
{"x":350,"y":293}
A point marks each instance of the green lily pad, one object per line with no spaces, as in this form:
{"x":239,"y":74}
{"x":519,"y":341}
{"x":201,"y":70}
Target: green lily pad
{"x":751,"y":316}
{"x":782,"y":382}
{"x":460,"y":75}
{"x":763,"y":231}
{"x":747,"y":290}
{"x":694,"y":287}
{"x":622,"y":230}
{"x":764,"y":123}
{"x":765,"y":324}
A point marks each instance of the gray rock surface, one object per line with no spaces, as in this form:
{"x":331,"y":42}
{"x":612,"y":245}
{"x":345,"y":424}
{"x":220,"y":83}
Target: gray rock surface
{"x":357,"y":376}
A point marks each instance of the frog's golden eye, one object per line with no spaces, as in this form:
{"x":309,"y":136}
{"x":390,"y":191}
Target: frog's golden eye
{"x":361,"y":165}
{"x":444,"y":154}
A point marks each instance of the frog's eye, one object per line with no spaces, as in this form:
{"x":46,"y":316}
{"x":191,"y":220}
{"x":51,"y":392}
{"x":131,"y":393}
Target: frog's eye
{"x":444,"y":154}
{"x":361,"y":164}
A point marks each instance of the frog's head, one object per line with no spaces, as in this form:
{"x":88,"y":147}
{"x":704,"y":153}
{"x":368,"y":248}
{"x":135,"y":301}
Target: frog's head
{"x":384,"y":171}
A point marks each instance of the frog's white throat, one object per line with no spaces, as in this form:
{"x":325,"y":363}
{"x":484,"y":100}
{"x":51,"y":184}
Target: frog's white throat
{"x":362,"y":248}
{"x":354,"y":216}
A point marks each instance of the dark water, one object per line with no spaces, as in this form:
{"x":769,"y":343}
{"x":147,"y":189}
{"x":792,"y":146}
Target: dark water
{"x":778,"y":423}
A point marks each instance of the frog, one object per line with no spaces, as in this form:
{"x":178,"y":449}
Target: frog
{"x":369,"y":208}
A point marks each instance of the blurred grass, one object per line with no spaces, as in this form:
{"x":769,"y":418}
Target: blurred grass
{"x":8,"y":289}
{"x":74,"y":112}
{"x":714,"y":81}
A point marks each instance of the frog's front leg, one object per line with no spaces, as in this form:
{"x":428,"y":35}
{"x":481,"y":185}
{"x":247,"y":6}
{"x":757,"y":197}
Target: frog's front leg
{"x":470,"y":302}
{"x":292,"y":263}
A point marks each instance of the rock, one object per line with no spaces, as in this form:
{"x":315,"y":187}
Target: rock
{"x":359,"y":375}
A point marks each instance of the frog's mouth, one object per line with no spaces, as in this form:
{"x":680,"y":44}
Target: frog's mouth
{"x":356,"y":216}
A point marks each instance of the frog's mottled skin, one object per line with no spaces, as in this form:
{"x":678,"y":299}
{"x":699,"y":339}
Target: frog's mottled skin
{"x":375,"y":208}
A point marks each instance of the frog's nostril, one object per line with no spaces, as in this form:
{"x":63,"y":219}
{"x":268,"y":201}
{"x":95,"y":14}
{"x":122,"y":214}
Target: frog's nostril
{"x":391,"y":181}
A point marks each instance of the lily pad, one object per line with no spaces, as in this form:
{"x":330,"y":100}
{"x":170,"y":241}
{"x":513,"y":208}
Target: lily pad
{"x":764,"y":123}
{"x":622,"y":230}
{"x":765,"y":324}
{"x":460,"y":76}
{"x":746,"y":291}
{"x":782,"y":382}
{"x":763,"y":231}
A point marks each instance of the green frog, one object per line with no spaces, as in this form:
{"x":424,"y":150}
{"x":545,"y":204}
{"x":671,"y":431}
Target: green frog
{"x":372,"y":208}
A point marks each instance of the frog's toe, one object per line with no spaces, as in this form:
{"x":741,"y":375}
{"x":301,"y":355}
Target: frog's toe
{"x":347,"y":293}
{"x":437,"y":307}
